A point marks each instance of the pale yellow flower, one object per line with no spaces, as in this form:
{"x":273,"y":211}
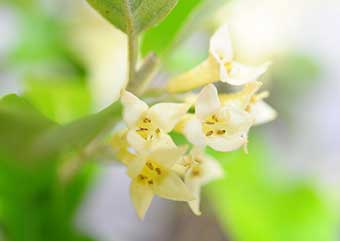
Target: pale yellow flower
{"x":219,"y":66}
{"x":253,"y":103}
{"x":150,"y":123}
{"x":151,"y":175}
{"x":222,"y":127}
{"x":200,"y":170}
{"x":197,"y":170}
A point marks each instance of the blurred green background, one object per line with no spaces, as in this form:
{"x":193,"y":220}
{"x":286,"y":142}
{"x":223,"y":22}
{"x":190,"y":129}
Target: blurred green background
{"x":66,"y":63}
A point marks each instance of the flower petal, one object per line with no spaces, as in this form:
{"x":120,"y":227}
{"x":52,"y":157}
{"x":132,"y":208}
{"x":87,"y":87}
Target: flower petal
{"x":133,"y":108}
{"x":141,"y":196}
{"x":136,"y":141}
{"x":194,"y":185}
{"x":207,"y":102}
{"x":205,"y":73}
{"x":193,"y":132}
{"x":167,"y":157}
{"x":240,"y":99}
{"x":226,"y":143}
{"x":172,"y":187}
{"x":212,"y":170}
{"x":136,"y":165}
{"x":239,"y":121}
{"x":242,"y":74}
{"x":220,"y":45}
{"x":262,"y":112}
{"x":166,"y":115}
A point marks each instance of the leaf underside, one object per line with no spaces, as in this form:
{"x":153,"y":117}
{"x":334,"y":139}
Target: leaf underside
{"x":133,"y":16}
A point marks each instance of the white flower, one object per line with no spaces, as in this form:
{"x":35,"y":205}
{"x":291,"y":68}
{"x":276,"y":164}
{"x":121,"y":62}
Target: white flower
{"x":253,"y":103}
{"x":232,"y":72}
{"x":151,"y":175}
{"x":200,"y":170}
{"x":223,"y":128}
{"x":149,"y":124}
{"x":220,"y":65}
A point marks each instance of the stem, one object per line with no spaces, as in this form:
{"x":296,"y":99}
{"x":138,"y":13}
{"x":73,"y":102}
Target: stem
{"x":132,"y":56}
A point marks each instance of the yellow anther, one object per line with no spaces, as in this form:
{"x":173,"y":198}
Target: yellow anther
{"x":158,"y":170}
{"x":214,"y":117}
{"x":209,"y":133}
{"x":196,"y":171}
{"x":150,"y":182}
{"x":158,"y":131}
{"x":209,"y":122}
{"x":143,"y":129}
{"x":221,"y":132}
{"x":147,"y":120}
{"x":142,"y":177}
{"x":149,"y":165}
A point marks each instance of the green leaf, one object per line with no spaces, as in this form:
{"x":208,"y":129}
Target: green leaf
{"x":27,"y":135}
{"x":133,"y":16}
{"x":20,"y":125}
{"x":60,"y":100}
{"x":49,"y":205}
{"x":77,"y":134}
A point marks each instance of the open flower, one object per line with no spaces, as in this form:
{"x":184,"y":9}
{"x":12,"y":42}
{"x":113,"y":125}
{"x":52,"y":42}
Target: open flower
{"x":223,"y":128}
{"x":151,"y":175}
{"x":220,"y":65}
{"x":253,"y":103}
{"x":200,"y":169}
{"x":150,"y":124}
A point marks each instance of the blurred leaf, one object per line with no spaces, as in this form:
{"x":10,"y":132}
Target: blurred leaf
{"x":20,"y":125}
{"x":161,"y":37}
{"x":253,"y":207}
{"x":37,"y":138}
{"x":133,"y":16}
{"x":40,"y":208}
{"x":77,"y":134}
{"x":60,"y":100}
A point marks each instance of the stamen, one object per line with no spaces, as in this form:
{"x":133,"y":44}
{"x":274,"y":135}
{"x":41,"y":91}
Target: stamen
{"x":221,"y":132}
{"x":195,"y":172}
{"x":150,"y":182}
{"x":209,"y":122}
{"x":158,"y":170}
{"x":143,"y":129}
{"x":158,"y":131}
{"x":214,"y":117}
{"x":142,"y":177}
{"x":209,"y":133}
{"x":149,"y":165}
{"x":147,"y":120}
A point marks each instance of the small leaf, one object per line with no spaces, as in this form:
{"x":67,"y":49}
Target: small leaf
{"x":77,"y":134}
{"x":133,"y":16}
{"x":28,"y":136}
{"x":59,"y":99}
{"x":20,"y":125}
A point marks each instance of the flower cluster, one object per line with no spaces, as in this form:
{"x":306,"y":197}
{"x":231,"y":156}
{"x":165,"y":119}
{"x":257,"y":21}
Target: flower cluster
{"x":155,"y":164}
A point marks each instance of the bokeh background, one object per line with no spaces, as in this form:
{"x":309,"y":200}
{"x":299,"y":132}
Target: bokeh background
{"x":69,"y":62}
